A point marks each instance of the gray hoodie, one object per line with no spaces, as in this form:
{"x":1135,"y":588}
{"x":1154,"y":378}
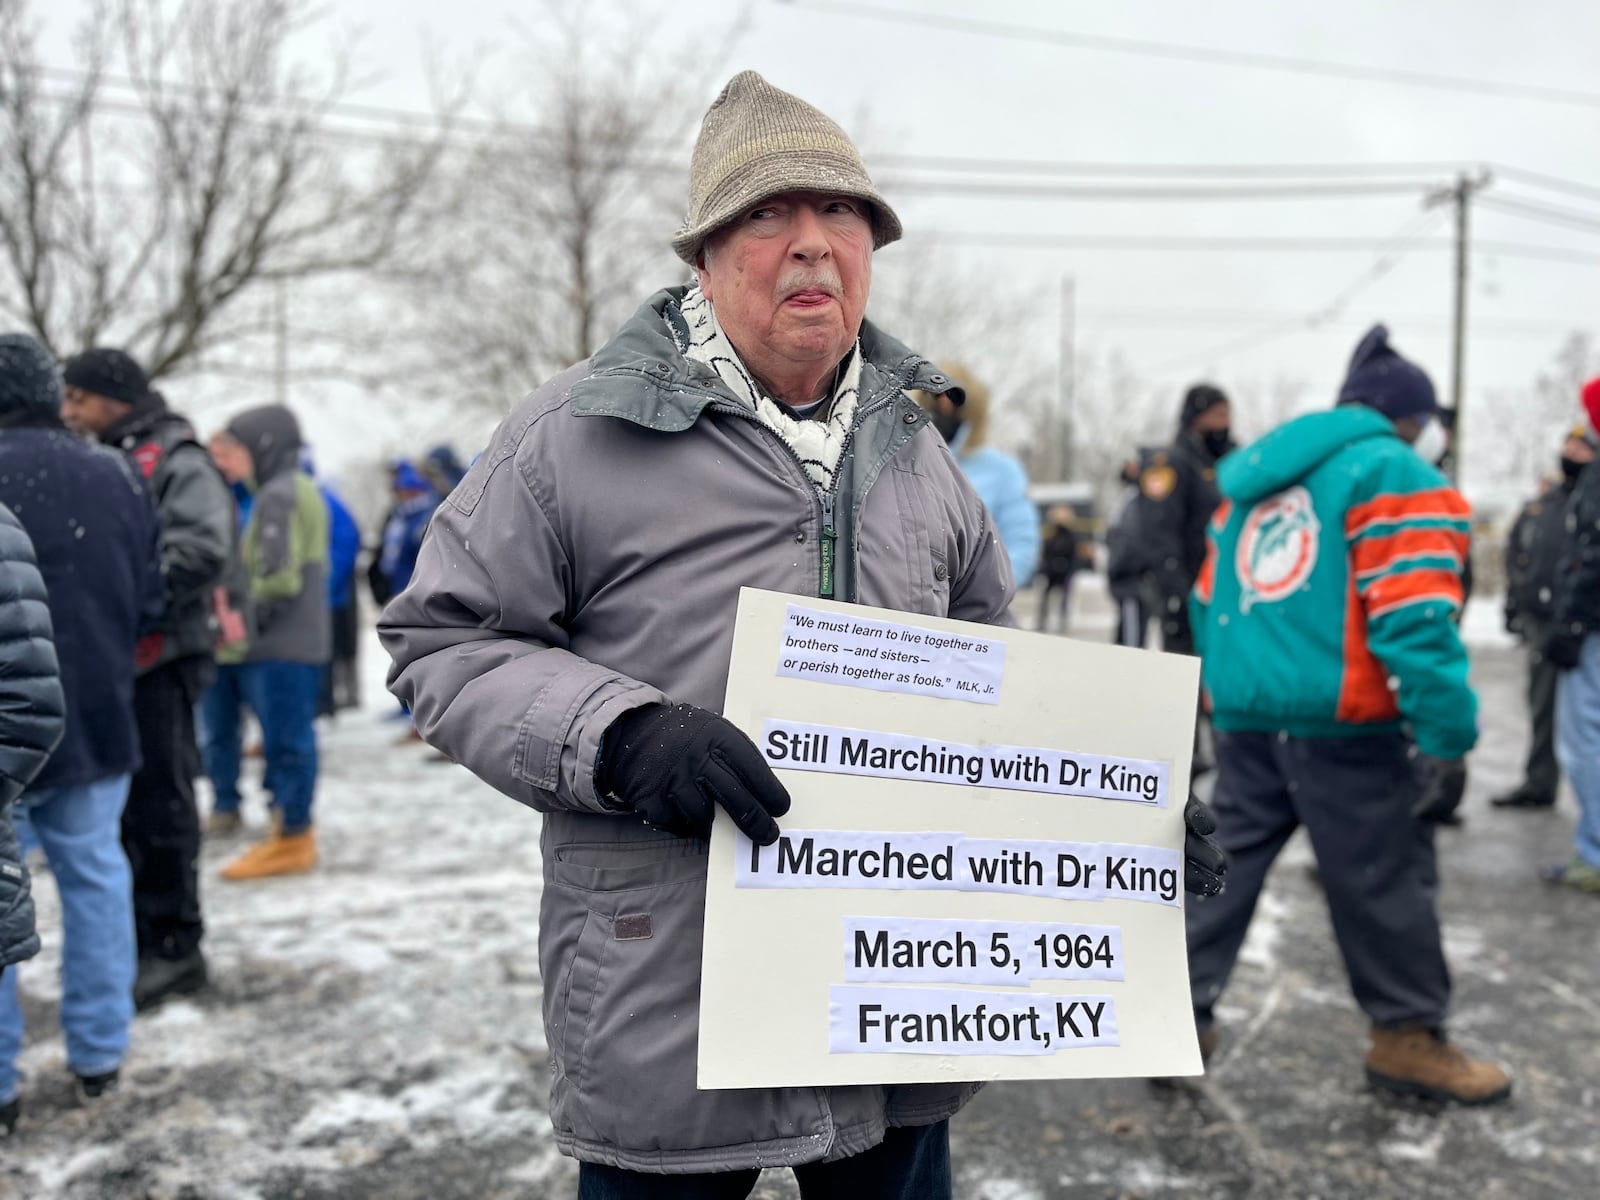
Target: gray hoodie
{"x":590,"y":563}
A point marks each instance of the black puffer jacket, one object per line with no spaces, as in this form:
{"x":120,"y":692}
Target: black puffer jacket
{"x":32,"y":714}
{"x":1577,"y":590}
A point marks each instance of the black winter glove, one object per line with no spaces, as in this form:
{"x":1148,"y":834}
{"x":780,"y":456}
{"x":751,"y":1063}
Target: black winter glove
{"x":1205,"y":864}
{"x":1443,"y":782}
{"x":1562,"y":650}
{"x":673,"y":764}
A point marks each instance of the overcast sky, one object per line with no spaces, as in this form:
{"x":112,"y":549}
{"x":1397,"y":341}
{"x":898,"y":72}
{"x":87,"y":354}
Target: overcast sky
{"x":941,"y":92}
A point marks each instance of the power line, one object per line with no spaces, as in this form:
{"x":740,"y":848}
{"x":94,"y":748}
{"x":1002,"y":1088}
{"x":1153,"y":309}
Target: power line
{"x":1202,"y":244}
{"x":1089,"y":191}
{"x":1548,"y":213}
{"x":1553,"y":182}
{"x":1397,"y":246}
{"x":1292,"y":64}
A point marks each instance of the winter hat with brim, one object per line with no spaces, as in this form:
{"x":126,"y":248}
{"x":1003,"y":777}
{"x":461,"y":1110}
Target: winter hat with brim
{"x":758,"y":141}
{"x":1198,"y":399}
{"x":109,"y":373}
{"x":29,"y":378}
{"x":1380,"y":379}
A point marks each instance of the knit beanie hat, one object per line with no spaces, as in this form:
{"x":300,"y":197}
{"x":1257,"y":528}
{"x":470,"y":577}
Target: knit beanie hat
{"x":757,"y":141}
{"x":1382,"y":380}
{"x":28,"y":375}
{"x":1591,"y":404}
{"x":109,"y":373}
{"x":1197,"y":399}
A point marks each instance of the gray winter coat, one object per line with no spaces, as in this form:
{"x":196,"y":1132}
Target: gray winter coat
{"x":32,"y":715}
{"x":590,"y":563}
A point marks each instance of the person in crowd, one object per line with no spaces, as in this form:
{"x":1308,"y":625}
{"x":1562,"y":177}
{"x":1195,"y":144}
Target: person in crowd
{"x":96,"y":538}
{"x":415,"y":499}
{"x":222,"y":707}
{"x":997,"y":477}
{"x":286,"y":556}
{"x":443,"y":468}
{"x":340,"y":687}
{"x":766,"y":438}
{"x":1325,"y":611}
{"x":32,"y":717}
{"x":1127,"y":562}
{"x":1573,"y":646}
{"x":1064,"y":554}
{"x":107,"y":397}
{"x":1177,"y":493}
{"x":1533,"y":552}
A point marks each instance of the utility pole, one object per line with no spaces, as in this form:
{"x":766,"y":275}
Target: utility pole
{"x":280,"y":338}
{"x":1068,"y":368}
{"x":1460,"y":194}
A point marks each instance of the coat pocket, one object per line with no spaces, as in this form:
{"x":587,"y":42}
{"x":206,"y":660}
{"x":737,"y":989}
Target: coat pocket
{"x":623,"y":1014}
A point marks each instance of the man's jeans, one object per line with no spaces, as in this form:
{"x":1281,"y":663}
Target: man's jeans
{"x":1578,"y":744}
{"x":283,"y":695}
{"x":909,"y":1164}
{"x":80,"y":829}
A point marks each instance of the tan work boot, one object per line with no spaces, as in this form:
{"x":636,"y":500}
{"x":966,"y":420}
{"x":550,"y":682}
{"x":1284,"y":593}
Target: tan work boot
{"x":1418,"y":1062}
{"x":223,"y":824}
{"x":293,"y":854}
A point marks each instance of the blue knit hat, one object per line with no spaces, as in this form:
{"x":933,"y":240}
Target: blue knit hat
{"x":1382,"y":380}
{"x":29,"y":377}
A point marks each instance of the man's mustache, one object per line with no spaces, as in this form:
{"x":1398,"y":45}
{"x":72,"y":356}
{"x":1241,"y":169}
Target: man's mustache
{"x":810,"y":281}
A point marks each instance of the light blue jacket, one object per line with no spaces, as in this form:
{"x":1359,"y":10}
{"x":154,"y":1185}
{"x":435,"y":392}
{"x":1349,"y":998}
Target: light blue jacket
{"x":1002,"y":485}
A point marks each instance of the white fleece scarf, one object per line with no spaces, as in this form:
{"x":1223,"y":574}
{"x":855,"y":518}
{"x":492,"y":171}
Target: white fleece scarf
{"x":817,"y":444}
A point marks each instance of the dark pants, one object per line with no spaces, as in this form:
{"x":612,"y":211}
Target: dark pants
{"x":1542,"y":776}
{"x":1063,"y":586}
{"x":341,"y":684}
{"x":160,"y":824}
{"x":909,"y":1164}
{"x":1132,"y":621}
{"x":1355,"y":797}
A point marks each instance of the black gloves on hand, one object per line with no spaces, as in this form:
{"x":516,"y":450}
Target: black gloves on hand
{"x":673,"y":764}
{"x":1204,"y":862}
{"x":1443,"y":782}
{"x":1562,"y":650}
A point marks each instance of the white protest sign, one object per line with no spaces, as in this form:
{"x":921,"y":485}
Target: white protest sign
{"x":981,"y":876}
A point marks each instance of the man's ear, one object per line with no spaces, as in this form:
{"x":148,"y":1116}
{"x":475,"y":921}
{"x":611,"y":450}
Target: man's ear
{"x":702,"y":272}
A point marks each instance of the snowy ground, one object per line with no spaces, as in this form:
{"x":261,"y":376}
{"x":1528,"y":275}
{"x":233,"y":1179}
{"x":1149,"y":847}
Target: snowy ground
{"x":374,"y":1028}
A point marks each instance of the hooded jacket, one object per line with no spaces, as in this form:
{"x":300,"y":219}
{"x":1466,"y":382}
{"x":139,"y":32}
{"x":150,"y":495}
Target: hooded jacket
{"x":1327,"y":603}
{"x":32,"y":715}
{"x":1533,"y":557}
{"x":999,"y":480}
{"x":590,"y":563}
{"x":285,"y":543}
{"x":195,"y":511}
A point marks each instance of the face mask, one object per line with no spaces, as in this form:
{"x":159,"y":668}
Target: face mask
{"x":1217,"y":441}
{"x":1571,"y":468}
{"x":1433,"y":443}
{"x":948,"y":424}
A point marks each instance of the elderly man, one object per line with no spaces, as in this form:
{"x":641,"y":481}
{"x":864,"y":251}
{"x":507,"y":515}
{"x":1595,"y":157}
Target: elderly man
{"x":567,"y":631}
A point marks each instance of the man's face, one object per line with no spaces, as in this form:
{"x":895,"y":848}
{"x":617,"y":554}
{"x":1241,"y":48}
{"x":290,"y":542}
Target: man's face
{"x":1410,"y":429}
{"x":1218,"y":416}
{"x":789,"y":279}
{"x":88,"y":414}
{"x":1578,"y":450}
{"x":232,"y":459}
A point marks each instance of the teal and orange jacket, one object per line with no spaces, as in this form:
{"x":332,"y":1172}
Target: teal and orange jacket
{"x":1327,"y":603}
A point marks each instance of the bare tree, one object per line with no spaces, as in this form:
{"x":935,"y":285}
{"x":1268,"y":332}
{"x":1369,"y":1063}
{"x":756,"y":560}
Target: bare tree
{"x":1527,"y":423}
{"x":561,"y":215}
{"x":145,"y":208}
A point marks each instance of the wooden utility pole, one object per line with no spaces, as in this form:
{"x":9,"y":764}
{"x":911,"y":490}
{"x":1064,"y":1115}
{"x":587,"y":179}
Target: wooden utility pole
{"x":1066,"y":388}
{"x":1460,"y":194}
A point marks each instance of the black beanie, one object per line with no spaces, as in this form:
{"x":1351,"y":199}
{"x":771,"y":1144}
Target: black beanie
{"x":109,"y":373}
{"x":1197,"y":399}
{"x":28,"y":375}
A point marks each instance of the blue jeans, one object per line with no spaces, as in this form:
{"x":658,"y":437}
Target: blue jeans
{"x":80,"y":830}
{"x":1578,"y":744}
{"x":909,"y":1164}
{"x":221,"y":714}
{"x":283,"y":695}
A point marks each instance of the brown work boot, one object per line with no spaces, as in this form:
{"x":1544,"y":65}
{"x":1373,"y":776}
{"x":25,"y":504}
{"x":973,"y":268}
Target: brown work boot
{"x":1418,"y":1062}
{"x":291,"y":854}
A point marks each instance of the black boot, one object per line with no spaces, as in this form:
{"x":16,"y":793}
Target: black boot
{"x":1524,"y":797}
{"x":162,"y":978}
{"x":9,"y":1112}
{"x":92,"y":1087}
